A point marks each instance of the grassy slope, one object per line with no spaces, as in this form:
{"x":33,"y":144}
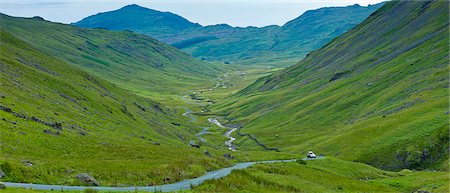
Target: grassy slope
{"x":105,"y":130}
{"x":331,"y":175}
{"x":274,"y":45}
{"x":134,"y":62}
{"x":388,"y":108}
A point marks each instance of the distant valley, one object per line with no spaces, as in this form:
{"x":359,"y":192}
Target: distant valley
{"x":270,"y":45}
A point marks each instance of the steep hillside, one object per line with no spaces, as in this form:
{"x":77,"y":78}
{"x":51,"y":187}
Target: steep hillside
{"x":58,"y":121}
{"x":376,"y":94}
{"x":132,"y":61}
{"x":270,"y":45}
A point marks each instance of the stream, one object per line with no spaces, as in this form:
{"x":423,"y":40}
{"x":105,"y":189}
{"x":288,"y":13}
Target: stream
{"x":228,"y":143}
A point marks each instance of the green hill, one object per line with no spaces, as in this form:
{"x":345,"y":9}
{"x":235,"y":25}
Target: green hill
{"x":58,"y":121}
{"x":377,"y":94}
{"x":270,"y":45}
{"x":132,"y":61}
{"x":139,"y":19}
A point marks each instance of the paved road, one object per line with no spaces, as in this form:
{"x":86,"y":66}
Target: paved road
{"x":183,"y":185}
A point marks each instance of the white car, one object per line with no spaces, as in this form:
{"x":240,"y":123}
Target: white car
{"x":311,"y":155}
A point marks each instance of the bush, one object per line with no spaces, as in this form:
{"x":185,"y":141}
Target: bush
{"x":90,"y":190}
{"x":6,"y":167}
{"x":300,"y":161}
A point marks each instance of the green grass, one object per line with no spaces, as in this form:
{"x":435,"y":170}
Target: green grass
{"x":329,"y":175}
{"x":389,"y":109}
{"x":106,"y":131}
{"x":134,"y":62}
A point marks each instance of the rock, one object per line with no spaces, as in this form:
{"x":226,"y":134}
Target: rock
{"x":227,"y":156}
{"x":206,"y":152}
{"x":422,"y":191}
{"x":87,"y":179}
{"x":2,"y":173}
{"x":69,"y":171}
{"x":156,"y":143}
{"x":2,"y":186}
{"x":27,"y":163}
{"x":47,"y":131}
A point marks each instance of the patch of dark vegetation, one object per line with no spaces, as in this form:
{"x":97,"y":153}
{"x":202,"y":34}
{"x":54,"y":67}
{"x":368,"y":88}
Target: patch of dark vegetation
{"x":176,"y":124}
{"x":300,"y":161}
{"x":193,"y":41}
{"x":196,"y":97}
{"x":426,"y":156}
{"x":338,"y":75}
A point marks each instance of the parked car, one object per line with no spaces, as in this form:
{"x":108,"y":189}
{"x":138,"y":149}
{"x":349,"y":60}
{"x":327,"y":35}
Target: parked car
{"x":311,"y":154}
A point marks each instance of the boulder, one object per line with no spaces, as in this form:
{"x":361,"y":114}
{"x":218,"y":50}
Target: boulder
{"x":87,"y":179}
{"x":27,"y":163}
{"x":206,"y":152}
{"x":228,"y":156}
{"x":156,"y":143}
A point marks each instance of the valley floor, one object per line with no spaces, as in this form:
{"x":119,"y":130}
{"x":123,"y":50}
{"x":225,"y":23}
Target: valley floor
{"x":323,"y":175}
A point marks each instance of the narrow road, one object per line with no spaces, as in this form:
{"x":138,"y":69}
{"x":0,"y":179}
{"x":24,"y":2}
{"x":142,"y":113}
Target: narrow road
{"x":183,"y":185}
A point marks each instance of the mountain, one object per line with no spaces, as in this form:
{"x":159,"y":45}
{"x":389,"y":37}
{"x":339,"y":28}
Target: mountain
{"x":270,"y":45}
{"x":133,"y":61}
{"x":139,"y":19}
{"x":58,"y":121}
{"x":377,"y":94}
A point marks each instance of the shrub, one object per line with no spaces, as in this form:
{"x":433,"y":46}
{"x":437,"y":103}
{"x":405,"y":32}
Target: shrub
{"x":300,"y":161}
{"x":90,"y":190}
{"x":6,"y":167}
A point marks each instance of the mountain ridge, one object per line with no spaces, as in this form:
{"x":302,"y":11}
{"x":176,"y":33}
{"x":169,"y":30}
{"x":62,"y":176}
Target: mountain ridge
{"x":270,"y":45}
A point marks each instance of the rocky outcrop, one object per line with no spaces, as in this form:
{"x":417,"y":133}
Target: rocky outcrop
{"x":87,"y":179}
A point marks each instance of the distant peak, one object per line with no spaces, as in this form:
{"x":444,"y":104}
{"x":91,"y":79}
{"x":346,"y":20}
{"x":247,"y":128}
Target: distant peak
{"x":133,"y":6}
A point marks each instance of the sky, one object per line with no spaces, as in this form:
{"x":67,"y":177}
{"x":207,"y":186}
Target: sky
{"x":241,"y":13}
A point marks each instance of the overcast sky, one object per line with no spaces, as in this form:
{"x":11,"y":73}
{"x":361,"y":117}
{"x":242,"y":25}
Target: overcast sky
{"x":206,"y":12}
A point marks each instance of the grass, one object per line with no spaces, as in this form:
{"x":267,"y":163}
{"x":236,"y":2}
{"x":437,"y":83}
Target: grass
{"x":134,"y":62}
{"x":389,"y":108}
{"x":329,"y":175}
{"x":273,"y":45}
{"x":84,"y":101}
{"x":105,"y":130}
